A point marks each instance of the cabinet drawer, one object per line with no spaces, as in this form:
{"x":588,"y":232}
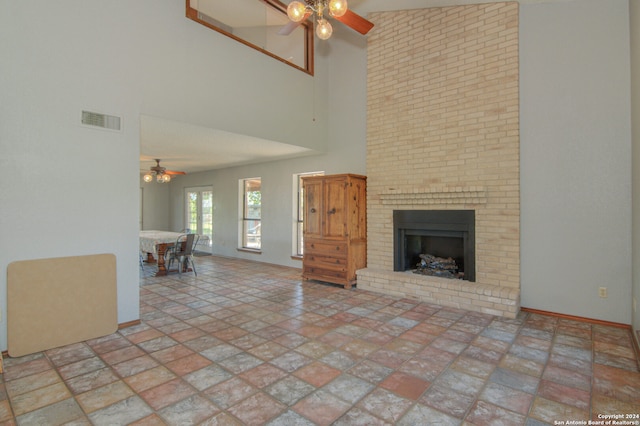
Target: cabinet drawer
{"x":318,"y":260}
{"x":324,"y":274}
{"x":329,"y":248}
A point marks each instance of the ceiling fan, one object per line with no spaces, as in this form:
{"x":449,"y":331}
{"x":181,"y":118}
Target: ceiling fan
{"x":298,"y":12}
{"x":161,"y":174}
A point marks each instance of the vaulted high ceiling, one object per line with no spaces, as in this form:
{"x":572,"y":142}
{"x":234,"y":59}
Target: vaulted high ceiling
{"x":191,"y":148}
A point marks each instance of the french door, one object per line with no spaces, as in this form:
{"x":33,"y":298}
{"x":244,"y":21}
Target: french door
{"x":199,"y":215}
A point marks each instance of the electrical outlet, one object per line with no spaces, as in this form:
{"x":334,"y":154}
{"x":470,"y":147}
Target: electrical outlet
{"x":602,"y":292}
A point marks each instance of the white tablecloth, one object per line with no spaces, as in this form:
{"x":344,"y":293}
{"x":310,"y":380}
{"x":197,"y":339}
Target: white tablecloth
{"x":149,"y":240}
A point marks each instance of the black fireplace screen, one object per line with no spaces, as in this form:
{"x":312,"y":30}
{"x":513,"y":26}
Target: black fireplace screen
{"x":438,"y":242}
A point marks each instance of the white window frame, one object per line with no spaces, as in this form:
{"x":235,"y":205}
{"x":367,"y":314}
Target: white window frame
{"x":243,"y":243}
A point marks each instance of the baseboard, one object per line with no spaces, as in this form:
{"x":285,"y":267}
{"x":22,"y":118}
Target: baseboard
{"x":129,"y":324}
{"x":577,"y":318}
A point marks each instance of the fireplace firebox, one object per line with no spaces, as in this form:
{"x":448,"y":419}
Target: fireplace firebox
{"x":446,"y":234}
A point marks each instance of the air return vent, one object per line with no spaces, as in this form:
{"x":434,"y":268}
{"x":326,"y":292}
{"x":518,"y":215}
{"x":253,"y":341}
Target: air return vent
{"x":104,"y":121}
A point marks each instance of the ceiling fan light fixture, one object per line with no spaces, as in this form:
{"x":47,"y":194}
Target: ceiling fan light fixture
{"x":337,"y":8}
{"x":161,"y":174}
{"x":323,"y":29}
{"x":296,"y":11}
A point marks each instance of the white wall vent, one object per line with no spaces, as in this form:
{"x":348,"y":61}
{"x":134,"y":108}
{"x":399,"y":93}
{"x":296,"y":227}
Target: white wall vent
{"x":104,"y":121}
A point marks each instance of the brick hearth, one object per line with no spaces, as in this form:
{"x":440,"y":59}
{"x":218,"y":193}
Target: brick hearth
{"x":443,"y":133}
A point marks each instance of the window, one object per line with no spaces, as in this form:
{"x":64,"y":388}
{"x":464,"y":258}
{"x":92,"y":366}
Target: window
{"x":251,"y":213}
{"x":257,"y":24}
{"x":299,"y":214}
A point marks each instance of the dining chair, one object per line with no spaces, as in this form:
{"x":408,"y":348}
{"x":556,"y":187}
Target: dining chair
{"x":182,"y":252}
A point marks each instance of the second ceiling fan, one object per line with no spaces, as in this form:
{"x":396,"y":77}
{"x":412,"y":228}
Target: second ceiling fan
{"x":161,"y":174}
{"x":298,"y":12}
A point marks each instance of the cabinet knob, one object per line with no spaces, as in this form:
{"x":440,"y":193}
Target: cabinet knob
{"x":313,"y":210}
{"x":332,"y":211}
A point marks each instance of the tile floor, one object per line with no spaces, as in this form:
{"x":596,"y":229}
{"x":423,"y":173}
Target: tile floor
{"x":246,"y":343}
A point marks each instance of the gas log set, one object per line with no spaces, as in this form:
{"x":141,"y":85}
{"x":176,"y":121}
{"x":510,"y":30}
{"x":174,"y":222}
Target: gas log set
{"x":438,"y":267}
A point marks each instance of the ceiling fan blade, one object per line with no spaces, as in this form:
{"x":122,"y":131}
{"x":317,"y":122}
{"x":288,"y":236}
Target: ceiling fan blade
{"x":355,"y":21}
{"x":288,"y":29}
{"x":173,"y":172}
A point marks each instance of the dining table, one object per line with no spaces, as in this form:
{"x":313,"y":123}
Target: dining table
{"x":155,"y":245}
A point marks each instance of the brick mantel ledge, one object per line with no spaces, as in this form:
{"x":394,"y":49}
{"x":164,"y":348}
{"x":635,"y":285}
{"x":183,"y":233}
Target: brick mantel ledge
{"x":435,"y":195}
{"x":461,"y":294}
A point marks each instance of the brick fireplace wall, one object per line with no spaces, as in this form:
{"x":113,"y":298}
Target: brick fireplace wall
{"x":443,"y":133}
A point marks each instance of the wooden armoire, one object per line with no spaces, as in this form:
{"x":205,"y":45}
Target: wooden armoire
{"x":335,"y":228}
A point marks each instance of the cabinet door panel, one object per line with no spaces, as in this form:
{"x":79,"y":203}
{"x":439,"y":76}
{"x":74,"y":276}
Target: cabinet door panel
{"x":312,"y":208}
{"x":356,"y":217}
{"x":334,"y":199}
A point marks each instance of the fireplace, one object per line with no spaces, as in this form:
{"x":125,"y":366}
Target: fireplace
{"x":426,"y":152}
{"x":448,"y":235}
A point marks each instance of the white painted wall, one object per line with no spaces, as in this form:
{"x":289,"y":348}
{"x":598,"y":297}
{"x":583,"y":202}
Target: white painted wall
{"x":68,"y":190}
{"x":575,"y":158}
{"x":153,"y":216}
